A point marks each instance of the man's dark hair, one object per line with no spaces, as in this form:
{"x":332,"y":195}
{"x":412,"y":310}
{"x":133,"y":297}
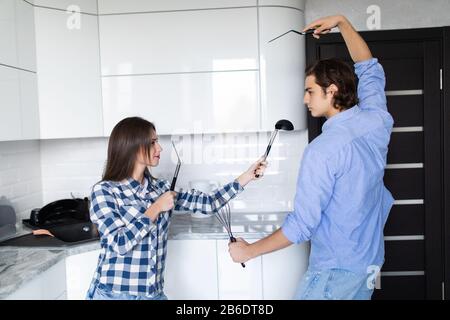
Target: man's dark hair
{"x":337,"y":72}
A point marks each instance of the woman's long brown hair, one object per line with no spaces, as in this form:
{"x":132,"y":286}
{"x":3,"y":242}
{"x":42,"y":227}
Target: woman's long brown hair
{"x":128,"y":137}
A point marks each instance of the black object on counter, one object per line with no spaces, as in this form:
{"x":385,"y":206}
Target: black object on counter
{"x":60,"y":212}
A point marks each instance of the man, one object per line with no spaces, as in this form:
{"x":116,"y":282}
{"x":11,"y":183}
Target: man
{"x":341,"y":203}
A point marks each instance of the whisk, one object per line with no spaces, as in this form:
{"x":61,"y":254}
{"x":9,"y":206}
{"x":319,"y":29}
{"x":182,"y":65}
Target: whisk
{"x":224,"y":217}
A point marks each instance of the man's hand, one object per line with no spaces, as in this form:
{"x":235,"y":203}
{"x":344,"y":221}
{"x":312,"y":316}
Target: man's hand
{"x":239,"y":250}
{"x":324,"y":25}
{"x":357,"y":47}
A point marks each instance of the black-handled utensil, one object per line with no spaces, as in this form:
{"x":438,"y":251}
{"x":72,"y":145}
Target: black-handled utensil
{"x":175,"y":176}
{"x":309,"y":31}
{"x":280,"y":125}
{"x":224,"y":217}
{"x":301,"y":33}
{"x":177,"y":169}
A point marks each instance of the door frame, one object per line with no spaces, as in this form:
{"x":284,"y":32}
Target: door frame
{"x":437,"y":244}
{"x":446,"y":161}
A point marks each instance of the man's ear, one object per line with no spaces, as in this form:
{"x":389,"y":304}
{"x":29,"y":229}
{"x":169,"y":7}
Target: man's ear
{"x":332,"y":88}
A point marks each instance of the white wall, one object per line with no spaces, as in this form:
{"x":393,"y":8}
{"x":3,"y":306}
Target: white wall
{"x":400,"y":14}
{"x":74,"y":165}
{"x":20,"y":176}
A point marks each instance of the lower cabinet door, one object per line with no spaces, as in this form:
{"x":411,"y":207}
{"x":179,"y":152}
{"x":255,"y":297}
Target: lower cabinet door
{"x":191,"y":270}
{"x":80,"y":269}
{"x":282,"y":271}
{"x":236,"y":282}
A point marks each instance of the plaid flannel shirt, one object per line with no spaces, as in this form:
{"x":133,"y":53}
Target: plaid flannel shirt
{"x":133,"y":247}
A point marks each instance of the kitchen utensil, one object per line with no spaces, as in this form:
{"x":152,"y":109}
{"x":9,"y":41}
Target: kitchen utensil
{"x":309,"y":31}
{"x":175,"y":175}
{"x":177,"y":169}
{"x":224,"y":217}
{"x":301,"y":33}
{"x":280,"y":125}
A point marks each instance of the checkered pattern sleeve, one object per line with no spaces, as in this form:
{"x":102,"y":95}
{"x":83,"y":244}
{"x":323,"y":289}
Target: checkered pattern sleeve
{"x":195,"y":200}
{"x":120,"y":228}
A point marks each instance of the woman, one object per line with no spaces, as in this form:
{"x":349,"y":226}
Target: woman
{"x":131,"y":211}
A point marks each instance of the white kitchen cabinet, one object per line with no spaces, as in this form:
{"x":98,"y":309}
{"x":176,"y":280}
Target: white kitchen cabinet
{"x":80,"y":269}
{"x":50,"y":285}
{"x":8,"y":47}
{"x":185,"y":103}
{"x":19,"y":110}
{"x":120,"y":6}
{"x":29,"y":105}
{"x":25,"y":36}
{"x":282,"y":271}
{"x":203,"y":269}
{"x":298,"y":4}
{"x":10,"y":120}
{"x":88,"y":6}
{"x":191,"y":270}
{"x":236,"y":282}
{"x":182,"y":41}
{"x":18,"y":89}
{"x":191,"y":71}
{"x":68,"y":71}
{"x":17,"y":43}
{"x":282,"y":67}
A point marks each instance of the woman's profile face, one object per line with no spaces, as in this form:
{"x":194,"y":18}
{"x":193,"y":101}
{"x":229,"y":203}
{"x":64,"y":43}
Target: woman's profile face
{"x":155,"y":153}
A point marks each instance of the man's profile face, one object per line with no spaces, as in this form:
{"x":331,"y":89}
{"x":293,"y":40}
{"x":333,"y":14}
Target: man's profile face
{"x":320,"y":104}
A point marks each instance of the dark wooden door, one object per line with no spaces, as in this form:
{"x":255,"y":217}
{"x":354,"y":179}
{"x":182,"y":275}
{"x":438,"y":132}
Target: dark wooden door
{"x":414,"y":233}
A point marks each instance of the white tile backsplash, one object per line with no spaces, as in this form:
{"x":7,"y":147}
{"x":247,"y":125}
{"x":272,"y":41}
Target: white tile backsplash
{"x":20,"y":176}
{"x":71,"y":166}
{"x":74,"y":165}
{"x":33,"y":173}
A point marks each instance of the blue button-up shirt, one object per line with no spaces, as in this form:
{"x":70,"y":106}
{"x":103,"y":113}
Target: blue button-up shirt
{"x":134,"y":248}
{"x":341,"y":203}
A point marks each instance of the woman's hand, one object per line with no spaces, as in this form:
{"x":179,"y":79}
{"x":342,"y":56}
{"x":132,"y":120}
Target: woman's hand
{"x":165,"y":202}
{"x":255,"y":172}
{"x":324,"y":25}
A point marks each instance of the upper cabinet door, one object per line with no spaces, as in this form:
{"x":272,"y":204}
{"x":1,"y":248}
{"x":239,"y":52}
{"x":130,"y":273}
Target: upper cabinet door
{"x":179,"y":41}
{"x":10,"y":119}
{"x":68,"y":74}
{"x":185,"y":103}
{"x":18,"y":90}
{"x":282,"y":67}
{"x":132,"y":6}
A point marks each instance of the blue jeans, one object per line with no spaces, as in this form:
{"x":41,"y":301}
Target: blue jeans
{"x":334,"y":284}
{"x":102,"y":293}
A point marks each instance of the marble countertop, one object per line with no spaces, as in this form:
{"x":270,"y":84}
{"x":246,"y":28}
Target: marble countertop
{"x":19,"y":265}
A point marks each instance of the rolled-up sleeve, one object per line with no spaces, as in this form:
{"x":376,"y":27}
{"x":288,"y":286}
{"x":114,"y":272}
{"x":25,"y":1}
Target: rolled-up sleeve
{"x":315,"y":185}
{"x":371,"y":83}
